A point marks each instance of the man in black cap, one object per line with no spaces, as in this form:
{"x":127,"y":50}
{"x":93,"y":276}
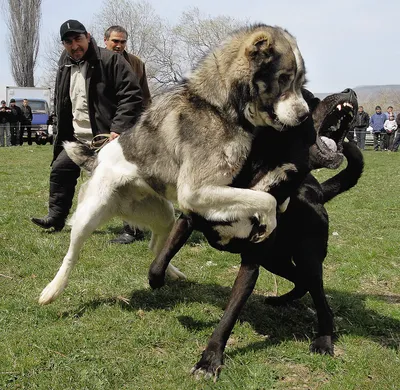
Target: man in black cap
{"x":15,"y":118}
{"x":96,"y":92}
{"x":5,"y":113}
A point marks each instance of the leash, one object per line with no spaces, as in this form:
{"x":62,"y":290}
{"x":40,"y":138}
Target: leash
{"x":98,"y":144}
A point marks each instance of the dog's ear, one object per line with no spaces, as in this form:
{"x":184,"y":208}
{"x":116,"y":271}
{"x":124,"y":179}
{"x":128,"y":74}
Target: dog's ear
{"x":313,"y":103}
{"x":259,"y":45}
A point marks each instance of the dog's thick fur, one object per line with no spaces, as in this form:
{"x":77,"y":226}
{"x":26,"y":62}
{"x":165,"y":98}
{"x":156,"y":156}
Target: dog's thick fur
{"x":191,"y":143}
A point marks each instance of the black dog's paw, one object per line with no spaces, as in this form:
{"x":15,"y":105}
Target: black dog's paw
{"x":209,"y":366}
{"x":322,"y":345}
{"x":156,"y":280}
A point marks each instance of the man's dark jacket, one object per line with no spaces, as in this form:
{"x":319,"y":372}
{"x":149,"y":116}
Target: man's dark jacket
{"x":113,"y":94}
{"x":16,"y":114}
{"x":361,"y":120}
{"x":26,"y":114}
{"x":5,"y":114}
{"x":139,"y":69}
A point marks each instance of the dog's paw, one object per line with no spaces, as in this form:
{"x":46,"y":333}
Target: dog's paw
{"x":174,"y":273}
{"x":156,"y":280}
{"x":322,"y":345}
{"x":209,"y":366}
{"x":266,"y":225}
{"x":51,"y":292}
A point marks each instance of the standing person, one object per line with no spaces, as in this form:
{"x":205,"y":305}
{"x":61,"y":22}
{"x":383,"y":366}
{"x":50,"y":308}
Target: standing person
{"x":396,"y":142}
{"x":26,"y":123}
{"x":5,"y":113}
{"x":390,"y":127}
{"x":115,"y":38}
{"x":95,"y":93}
{"x":361,"y":122}
{"x":377,"y":122}
{"x":15,"y":128}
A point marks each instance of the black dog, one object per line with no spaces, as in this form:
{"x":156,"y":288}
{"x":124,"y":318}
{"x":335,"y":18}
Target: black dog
{"x":304,"y":225}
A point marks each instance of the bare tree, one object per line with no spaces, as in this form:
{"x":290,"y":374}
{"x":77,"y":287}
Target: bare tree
{"x":23,"y":21}
{"x":179,"y":48}
{"x":49,"y":61}
{"x":137,"y":17}
{"x":198,"y":33}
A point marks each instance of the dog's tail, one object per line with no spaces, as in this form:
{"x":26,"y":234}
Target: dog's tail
{"x":81,"y":154}
{"x":348,"y":177}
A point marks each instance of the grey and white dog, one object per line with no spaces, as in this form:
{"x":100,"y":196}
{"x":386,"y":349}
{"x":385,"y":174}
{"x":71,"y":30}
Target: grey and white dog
{"x":191,"y":143}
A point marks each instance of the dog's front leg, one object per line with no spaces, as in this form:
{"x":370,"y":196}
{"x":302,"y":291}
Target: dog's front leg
{"x":211,"y":361}
{"x":179,"y":234}
{"x":223,"y":203}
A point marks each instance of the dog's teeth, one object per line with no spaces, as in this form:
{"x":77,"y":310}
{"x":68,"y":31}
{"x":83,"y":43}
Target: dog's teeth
{"x":339,"y":107}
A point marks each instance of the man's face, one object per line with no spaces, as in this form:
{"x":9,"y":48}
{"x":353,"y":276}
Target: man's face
{"x":360,"y":110}
{"x":25,"y":103}
{"x":390,"y":109}
{"x":116,"y":42}
{"x":3,"y":104}
{"x":378,"y":110}
{"x":12,"y":104}
{"x":76,"y":45}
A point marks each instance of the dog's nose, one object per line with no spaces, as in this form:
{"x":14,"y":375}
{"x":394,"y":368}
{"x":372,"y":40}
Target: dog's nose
{"x":303,"y":117}
{"x":351,"y":91}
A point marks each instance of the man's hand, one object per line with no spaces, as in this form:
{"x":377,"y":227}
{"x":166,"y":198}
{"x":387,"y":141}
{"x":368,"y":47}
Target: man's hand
{"x":113,"y":135}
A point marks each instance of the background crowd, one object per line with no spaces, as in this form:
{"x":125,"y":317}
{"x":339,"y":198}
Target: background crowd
{"x":383,"y":126}
{"x":14,"y":121}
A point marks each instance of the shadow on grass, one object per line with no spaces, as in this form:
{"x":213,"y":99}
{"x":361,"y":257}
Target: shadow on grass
{"x":278,"y":323}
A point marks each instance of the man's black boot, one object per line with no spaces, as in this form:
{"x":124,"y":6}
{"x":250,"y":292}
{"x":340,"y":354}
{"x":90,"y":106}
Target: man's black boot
{"x":49,"y":222}
{"x":128,"y":235}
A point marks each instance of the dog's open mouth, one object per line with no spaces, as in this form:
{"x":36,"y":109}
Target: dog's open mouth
{"x":332,"y":119}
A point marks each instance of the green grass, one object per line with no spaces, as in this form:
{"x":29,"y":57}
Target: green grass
{"x":109,"y":330}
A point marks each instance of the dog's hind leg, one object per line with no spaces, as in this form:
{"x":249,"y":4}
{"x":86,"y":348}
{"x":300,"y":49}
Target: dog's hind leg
{"x":159,"y":243}
{"x":284,"y":267}
{"x":309,"y":264}
{"x":158,"y":215}
{"x":88,"y":216}
{"x":286,"y":299}
{"x":180,"y":233}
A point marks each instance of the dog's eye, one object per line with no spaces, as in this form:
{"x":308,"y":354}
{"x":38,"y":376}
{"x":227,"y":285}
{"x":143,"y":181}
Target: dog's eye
{"x":284,"y":79}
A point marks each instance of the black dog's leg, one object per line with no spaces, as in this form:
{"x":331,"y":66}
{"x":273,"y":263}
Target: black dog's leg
{"x":180,"y":233}
{"x":309,"y":266}
{"x":323,"y":343}
{"x":284,"y":267}
{"x":211,"y":360}
{"x":286,"y":299}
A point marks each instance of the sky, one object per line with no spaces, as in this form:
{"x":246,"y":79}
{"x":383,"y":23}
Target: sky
{"x":345,"y":43}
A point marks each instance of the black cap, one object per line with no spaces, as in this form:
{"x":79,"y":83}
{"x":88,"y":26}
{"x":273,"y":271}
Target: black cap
{"x":12,"y":101}
{"x":72,"y":26}
{"x":3,"y":102}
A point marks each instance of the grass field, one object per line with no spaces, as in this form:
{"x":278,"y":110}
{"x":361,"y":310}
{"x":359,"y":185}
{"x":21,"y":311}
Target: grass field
{"x":109,"y":330}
